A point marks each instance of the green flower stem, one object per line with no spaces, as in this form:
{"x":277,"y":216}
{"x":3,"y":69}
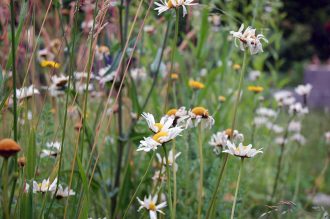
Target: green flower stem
{"x":201,"y":172}
{"x":12,"y":24}
{"x":174,"y":181}
{"x":168,"y":183}
{"x":241,"y":80}
{"x":175,"y":41}
{"x":138,"y":187}
{"x":5,"y":189}
{"x":236,"y":192}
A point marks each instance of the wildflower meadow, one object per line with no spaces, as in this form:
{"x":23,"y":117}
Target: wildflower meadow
{"x":160,"y":109}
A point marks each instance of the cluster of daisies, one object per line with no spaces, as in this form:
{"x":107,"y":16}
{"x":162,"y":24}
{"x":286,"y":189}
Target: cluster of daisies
{"x":49,"y":186}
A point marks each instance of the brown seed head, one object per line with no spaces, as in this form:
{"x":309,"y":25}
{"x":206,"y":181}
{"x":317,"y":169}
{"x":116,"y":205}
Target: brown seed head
{"x":8,"y":147}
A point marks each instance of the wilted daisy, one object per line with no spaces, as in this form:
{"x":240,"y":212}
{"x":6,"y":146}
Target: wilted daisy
{"x":218,"y":142}
{"x":170,"y":160}
{"x":197,"y":115}
{"x":179,"y":115}
{"x":235,"y":136}
{"x":44,"y":186}
{"x":248,"y":39}
{"x":53,"y":149}
{"x":150,"y":204}
{"x":164,"y":124}
{"x":241,"y":151}
{"x":152,"y":143}
{"x":303,"y":90}
{"x":165,"y":5}
{"x":298,"y":109}
{"x":62,"y":193}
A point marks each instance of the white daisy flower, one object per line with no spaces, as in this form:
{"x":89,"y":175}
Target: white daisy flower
{"x":59,"y":81}
{"x":263,"y":111}
{"x":284,"y":98}
{"x":179,"y":115}
{"x":298,"y":109}
{"x":218,"y":142}
{"x":197,"y":115}
{"x":44,"y":186}
{"x":327,"y":137}
{"x":254,"y":75}
{"x":150,"y":204}
{"x":139,"y":74}
{"x":299,"y":138}
{"x":294,"y":126}
{"x":26,"y":92}
{"x":304,"y":90}
{"x":241,"y":151}
{"x":165,"y":5}
{"x":248,"y":39}
{"x":54,"y":148}
{"x":62,"y":193}
{"x":170,"y":161}
{"x":164,"y":124}
{"x":152,"y":143}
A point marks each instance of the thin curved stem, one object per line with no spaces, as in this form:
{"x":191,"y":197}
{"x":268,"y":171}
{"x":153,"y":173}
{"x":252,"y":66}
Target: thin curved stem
{"x":237,"y":187}
{"x":201,"y":172}
{"x":138,"y":187}
{"x":168,"y":183}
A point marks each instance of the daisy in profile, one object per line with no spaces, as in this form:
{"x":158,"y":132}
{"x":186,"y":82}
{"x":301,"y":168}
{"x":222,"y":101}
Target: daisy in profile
{"x":62,"y":193}
{"x":150,"y":204}
{"x":53,"y":149}
{"x":196,"y":85}
{"x":165,"y":5}
{"x":219,"y":142}
{"x":23,"y":93}
{"x":164,"y":124}
{"x":197,"y":115}
{"x":241,"y":151}
{"x":298,"y":109}
{"x":179,"y":115}
{"x":152,"y":143}
{"x":44,"y":186}
{"x":255,"y":89}
{"x":170,"y":160}
{"x":248,"y":39}
{"x":303,"y":90}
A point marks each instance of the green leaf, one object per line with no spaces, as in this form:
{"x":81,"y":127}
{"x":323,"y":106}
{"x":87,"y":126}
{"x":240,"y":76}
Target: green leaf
{"x":31,"y":155}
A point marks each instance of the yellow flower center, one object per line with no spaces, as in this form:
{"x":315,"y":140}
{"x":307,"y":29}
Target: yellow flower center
{"x":152,"y":206}
{"x":222,"y":98}
{"x":174,"y":76}
{"x":170,"y":4}
{"x":159,"y":126}
{"x":255,"y":89}
{"x":196,"y":84}
{"x":172,"y":112}
{"x":50,"y":64}
{"x":159,"y":135}
{"x":229,"y":132}
{"x":236,"y":67}
{"x":200,"y":111}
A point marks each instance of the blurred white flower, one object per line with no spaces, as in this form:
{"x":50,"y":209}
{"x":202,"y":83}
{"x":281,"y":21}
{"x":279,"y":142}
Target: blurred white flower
{"x":263,"y":111}
{"x":260,"y":121}
{"x":81,"y":87}
{"x":150,"y":204}
{"x":26,"y":92}
{"x":298,"y":109}
{"x":297,"y":137}
{"x":304,"y":90}
{"x":165,"y":5}
{"x":280,"y":140}
{"x":254,"y":75}
{"x":152,"y":143}
{"x":248,"y":39}
{"x":139,"y":74}
{"x":241,"y":151}
{"x":327,"y":137}
{"x":284,"y":98}
{"x":218,"y":142}
{"x":275,"y":128}
{"x":294,"y":126}
{"x":44,"y":186}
